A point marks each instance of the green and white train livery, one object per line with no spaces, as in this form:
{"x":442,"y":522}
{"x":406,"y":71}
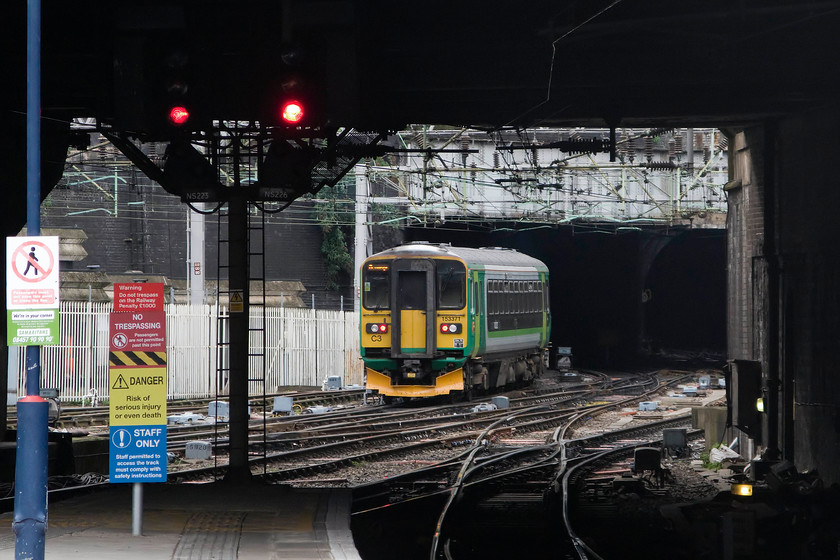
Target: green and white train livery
{"x":438,"y":320}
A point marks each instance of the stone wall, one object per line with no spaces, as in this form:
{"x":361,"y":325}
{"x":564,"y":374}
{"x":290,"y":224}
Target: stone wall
{"x":783,"y":273}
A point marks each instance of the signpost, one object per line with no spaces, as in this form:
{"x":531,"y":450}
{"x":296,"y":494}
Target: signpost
{"x":137,"y":381}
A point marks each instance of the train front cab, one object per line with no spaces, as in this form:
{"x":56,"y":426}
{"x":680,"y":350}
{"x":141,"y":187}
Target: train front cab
{"x":414,"y":326}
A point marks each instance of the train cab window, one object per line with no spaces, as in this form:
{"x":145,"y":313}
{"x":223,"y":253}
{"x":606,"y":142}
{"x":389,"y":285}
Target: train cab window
{"x":451,"y":284}
{"x":376,"y":287}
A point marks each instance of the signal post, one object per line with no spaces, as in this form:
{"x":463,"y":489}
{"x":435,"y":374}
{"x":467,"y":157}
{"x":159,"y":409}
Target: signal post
{"x":137,"y":382}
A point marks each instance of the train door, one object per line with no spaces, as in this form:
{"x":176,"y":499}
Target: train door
{"x":413,"y":334}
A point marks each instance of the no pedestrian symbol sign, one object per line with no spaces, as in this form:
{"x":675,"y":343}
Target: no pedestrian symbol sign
{"x":32,"y":291}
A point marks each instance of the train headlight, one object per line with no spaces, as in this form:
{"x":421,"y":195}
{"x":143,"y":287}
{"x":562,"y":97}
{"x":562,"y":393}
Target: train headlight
{"x":451,"y":328}
{"x":377,"y":328}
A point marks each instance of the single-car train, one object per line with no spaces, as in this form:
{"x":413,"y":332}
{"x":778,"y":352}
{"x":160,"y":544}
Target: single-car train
{"x":443,"y":320}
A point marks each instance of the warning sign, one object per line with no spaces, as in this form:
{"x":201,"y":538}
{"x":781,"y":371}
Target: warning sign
{"x":138,"y":396}
{"x":137,"y":378}
{"x":237,"y":304}
{"x":138,"y":296}
{"x":120,"y":383}
{"x":144,"y":331}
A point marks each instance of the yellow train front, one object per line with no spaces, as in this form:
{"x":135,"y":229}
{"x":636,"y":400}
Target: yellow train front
{"x":441,"y":320}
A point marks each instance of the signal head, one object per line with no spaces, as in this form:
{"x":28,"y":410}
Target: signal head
{"x":179,"y":115}
{"x":292,"y":112}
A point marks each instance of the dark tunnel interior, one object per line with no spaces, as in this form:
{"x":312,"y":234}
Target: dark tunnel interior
{"x":604,"y":304}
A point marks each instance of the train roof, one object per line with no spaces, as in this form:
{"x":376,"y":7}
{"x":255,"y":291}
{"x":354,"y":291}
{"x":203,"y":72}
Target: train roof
{"x":484,"y":256}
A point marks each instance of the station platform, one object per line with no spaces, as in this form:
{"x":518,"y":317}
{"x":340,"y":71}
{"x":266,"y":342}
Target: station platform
{"x":216,"y":521}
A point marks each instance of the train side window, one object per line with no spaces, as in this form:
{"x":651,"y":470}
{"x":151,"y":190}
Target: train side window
{"x":376,"y":284}
{"x":493,"y":297}
{"x":451,"y":284}
{"x":546,"y":300}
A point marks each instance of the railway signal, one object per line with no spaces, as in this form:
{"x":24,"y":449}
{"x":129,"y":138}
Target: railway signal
{"x":293,"y":96}
{"x":179,"y":115}
{"x":174,"y":96}
{"x":292,"y":112}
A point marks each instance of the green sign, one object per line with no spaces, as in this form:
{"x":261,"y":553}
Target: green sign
{"x":32,"y":327}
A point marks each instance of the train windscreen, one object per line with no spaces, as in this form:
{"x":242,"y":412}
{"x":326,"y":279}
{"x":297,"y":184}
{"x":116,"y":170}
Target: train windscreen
{"x":451,"y":283}
{"x":377,"y":287}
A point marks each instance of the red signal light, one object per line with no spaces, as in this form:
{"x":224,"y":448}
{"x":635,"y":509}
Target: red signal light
{"x":179,"y":115}
{"x":292,"y":112}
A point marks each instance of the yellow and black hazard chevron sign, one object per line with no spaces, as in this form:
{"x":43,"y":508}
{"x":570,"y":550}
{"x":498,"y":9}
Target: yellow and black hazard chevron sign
{"x":132,"y":359}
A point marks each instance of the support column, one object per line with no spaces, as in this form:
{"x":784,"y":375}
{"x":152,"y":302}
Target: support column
{"x":361,"y":233}
{"x":238,"y":469}
{"x":197,"y":263}
{"x":30,"y":516}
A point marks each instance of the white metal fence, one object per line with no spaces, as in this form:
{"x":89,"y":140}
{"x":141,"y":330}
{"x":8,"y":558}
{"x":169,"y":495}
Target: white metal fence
{"x":303,"y":346}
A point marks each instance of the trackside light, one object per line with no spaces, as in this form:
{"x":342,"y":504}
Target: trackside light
{"x":742,"y":489}
{"x":759,"y":404}
{"x":292,"y":112}
{"x":179,"y":115}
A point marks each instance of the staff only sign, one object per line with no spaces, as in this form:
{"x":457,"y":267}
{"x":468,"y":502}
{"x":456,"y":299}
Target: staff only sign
{"x":32,"y":291}
{"x":137,"y":361}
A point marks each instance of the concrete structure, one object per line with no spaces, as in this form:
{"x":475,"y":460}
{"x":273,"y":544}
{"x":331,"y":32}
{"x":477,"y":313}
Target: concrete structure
{"x":784,"y":268}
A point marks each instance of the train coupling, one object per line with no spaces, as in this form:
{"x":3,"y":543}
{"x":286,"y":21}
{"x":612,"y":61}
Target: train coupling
{"x":412,"y":369}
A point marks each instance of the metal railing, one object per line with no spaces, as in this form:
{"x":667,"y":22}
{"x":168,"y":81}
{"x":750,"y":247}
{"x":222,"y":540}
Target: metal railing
{"x":303,"y":346}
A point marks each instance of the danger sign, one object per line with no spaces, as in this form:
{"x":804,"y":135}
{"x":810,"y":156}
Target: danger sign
{"x":137,"y":378}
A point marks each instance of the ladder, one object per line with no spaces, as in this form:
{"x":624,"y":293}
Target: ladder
{"x":257,"y":321}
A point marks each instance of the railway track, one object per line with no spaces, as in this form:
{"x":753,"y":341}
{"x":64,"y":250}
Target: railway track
{"x":498,"y":483}
{"x":71,"y":416}
{"x":446,"y":461}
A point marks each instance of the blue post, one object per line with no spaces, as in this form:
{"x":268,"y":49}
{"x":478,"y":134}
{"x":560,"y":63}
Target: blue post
{"x":30,"y":519}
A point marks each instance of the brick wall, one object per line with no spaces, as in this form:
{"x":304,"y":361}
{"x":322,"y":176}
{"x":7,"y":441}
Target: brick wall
{"x":141,"y":227}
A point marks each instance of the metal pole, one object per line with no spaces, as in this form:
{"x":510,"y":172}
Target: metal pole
{"x":197,"y":264}
{"x":30,"y":518}
{"x":137,"y":509}
{"x":238,"y":470}
{"x":361,"y":232}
